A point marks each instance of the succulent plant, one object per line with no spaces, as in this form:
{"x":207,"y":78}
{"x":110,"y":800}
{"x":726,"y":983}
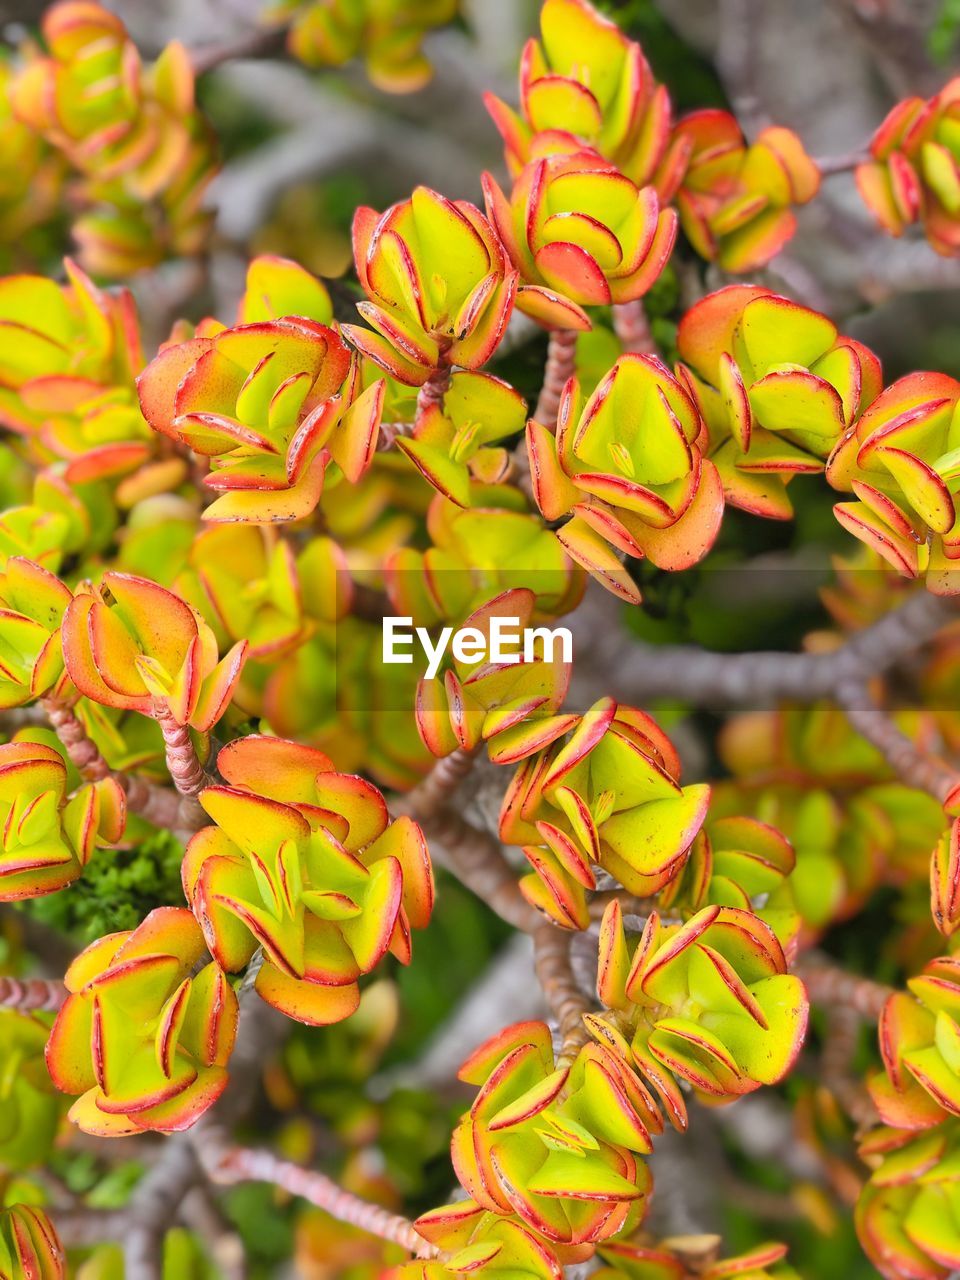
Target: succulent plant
{"x":214,"y":529}
{"x":898,"y":461}
{"x":557,"y":1146}
{"x":272,"y":402}
{"x":736,"y":201}
{"x":66,"y":379}
{"x":456,"y":441}
{"x":31,"y":1106}
{"x":913,"y":173}
{"x":921,"y":1082}
{"x":131,"y":644}
{"x":476,"y":1241}
{"x":607,"y":796}
{"x":305,"y":863}
{"x":708,"y":1003}
{"x":439,"y":288}
{"x":513,"y":706}
{"x":626,"y":464}
{"x":48,"y":838}
{"x":777,"y":386}
{"x":387,"y":34}
{"x":580,"y":234}
{"x":142,"y":1038}
{"x":585,"y":84}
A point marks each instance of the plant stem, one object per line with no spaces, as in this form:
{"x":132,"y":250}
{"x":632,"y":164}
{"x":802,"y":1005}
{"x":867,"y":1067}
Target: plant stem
{"x":845,"y":163}
{"x":244,"y":1164}
{"x":31,"y":994}
{"x":475,"y":857}
{"x":633,"y":329}
{"x":551,"y":962}
{"x":188,"y":774}
{"x":83,"y":752}
{"x":252,"y":44}
{"x":637,"y":670}
{"x":435,"y":388}
{"x":912,"y":765}
{"x":561,"y":360}
{"x":828,"y":984}
{"x":440,"y":785}
{"x":155,"y":804}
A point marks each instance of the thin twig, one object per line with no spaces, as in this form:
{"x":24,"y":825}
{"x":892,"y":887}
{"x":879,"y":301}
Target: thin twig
{"x":844,"y":163}
{"x":476,"y":858}
{"x":912,"y":765}
{"x":694,"y":675}
{"x":179,"y":1168}
{"x":440,"y":785}
{"x":258,"y":43}
{"x":244,"y":1164}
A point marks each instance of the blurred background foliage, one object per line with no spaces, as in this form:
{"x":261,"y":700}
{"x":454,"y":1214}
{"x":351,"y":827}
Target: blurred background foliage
{"x":301,"y":150}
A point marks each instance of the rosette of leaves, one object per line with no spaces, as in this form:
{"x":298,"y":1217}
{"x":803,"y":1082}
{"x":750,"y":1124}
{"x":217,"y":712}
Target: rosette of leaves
{"x":91,"y":97}
{"x":129,"y":643}
{"x":32,"y":605}
{"x":580,"y":233}
{"x":305,"y":863}
{"x":777,"y":387}
{"x":439,"y":287}
{"x":475,"y":1241}
{"x":626,"y":465}
{"x":387,"y":34}
{"x":607,"y":796}
{"x":708,"y":1004}
{"x":249,"y":582}
{"x":626,"y":1261}
{"x":145,"y":1035}
{"x":455,"y":443}
{"x":585,"y":84}
{"x":913,"y":173}
{"x":557,"y":1146}
{"x":30,"y":1107}
{"x":841,"y":843}
{"x":902,"y":464}
{"x":32,"y":178}
{"x":71,"y":353}
{"x":272,"y":403}
{"x":493,"y":546}
{"x":740,"y":862}
{"x":47,"y":837}
{"x":908,"y":1211}
{"x":30,"y":1248}
{"x":121,"y":234}
{"x":512,"y":706}
{"x":919,"y":1033}
{"x":736,"y":201}
{"x":852,"y":826}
